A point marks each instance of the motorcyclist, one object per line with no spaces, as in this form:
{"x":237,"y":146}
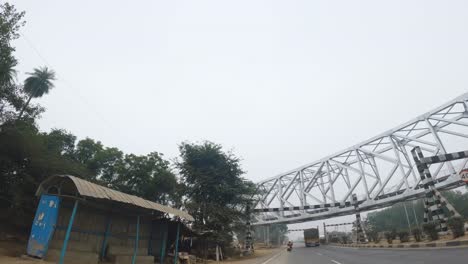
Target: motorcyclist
{"x":290,"y":245}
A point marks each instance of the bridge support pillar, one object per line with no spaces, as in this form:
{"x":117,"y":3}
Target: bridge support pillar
{"x":361,"y":236}
{"x":325,"y":235}
{"x":248,"y":245}
{"x":433,"y":201}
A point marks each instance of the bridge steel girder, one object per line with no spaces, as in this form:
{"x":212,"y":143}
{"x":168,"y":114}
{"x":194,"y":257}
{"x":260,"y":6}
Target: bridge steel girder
{"x":378,"y":170}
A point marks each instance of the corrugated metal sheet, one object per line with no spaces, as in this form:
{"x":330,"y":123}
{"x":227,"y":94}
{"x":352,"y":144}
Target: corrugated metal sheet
{"x":89,"y":189}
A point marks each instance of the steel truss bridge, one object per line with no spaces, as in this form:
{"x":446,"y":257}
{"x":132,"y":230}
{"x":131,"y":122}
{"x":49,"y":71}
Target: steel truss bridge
{"x":380,"y":171}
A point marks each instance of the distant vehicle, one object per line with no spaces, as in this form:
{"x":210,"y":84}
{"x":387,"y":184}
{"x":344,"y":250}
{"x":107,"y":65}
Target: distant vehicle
{"x":311,"y":237}
{"x":290,"y":245}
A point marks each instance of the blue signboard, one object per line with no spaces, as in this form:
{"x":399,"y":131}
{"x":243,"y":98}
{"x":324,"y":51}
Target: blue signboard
{"x":43,"y":226}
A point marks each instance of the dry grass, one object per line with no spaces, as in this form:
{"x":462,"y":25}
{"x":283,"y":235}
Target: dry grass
{"x":11,"y":252}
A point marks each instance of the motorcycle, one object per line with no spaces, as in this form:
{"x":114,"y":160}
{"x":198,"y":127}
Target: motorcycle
{"x":289,"y":248}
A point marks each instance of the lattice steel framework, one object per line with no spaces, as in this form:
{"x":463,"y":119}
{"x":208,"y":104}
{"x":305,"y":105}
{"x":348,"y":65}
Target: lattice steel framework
{"x":380,"y":171}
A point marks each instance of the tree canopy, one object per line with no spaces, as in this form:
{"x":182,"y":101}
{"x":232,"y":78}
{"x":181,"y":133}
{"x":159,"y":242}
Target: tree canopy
{"x":12,"y":96}
{"x":10,"y":22}
{"x":215,"y":190}
{"x":37,"y":84}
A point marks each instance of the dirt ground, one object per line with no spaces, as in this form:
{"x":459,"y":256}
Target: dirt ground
{"x":11,"y":253}
{"x":19,"y":260}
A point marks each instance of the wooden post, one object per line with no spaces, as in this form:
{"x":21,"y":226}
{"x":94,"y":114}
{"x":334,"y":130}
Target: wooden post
{"x":325,"y":233}
{"x":135,"y":250}
{"x":163,"y":244}
{"x":106,"y":237}
{"x":67,"y":235}
{"x":150,"y":240}
{"x":176,"y":253}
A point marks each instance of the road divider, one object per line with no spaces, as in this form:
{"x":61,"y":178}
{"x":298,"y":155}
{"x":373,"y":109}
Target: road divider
{"x":435,"y":244}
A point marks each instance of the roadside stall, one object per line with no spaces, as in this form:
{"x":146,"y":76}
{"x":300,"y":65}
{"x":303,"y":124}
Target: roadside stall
{"x":78,"y":221}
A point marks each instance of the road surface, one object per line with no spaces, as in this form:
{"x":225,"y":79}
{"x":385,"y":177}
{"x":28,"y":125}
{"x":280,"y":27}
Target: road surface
{"x":337,"y":255}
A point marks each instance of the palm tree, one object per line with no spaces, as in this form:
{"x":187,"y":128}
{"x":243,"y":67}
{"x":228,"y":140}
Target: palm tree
{"x":37,"y":84}
{"x":7,"y":71}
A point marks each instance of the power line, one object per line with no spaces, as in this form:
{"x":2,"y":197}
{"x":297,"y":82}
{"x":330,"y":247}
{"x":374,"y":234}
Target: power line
{"x":70,"y":86}
{"x":76,"y":91}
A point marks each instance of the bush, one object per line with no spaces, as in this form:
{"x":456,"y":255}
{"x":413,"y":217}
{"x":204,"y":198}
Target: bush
{"x":344,"y":239}
{"x":417,"y":234}
{"x":374,"y":236}
{"x":389,"y":237}
{"x":431,"y":230}
{"x":457,"y":225}
{"x":404,"y":236}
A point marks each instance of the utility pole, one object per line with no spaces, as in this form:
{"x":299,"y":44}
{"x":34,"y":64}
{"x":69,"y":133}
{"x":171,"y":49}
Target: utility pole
{"x":268,"y":235}
{"x":325,"y":233}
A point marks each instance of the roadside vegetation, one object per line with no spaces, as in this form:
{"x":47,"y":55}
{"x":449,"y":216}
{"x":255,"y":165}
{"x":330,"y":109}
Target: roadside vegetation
{"x":394,"y":217}
{"x":392,"y":223}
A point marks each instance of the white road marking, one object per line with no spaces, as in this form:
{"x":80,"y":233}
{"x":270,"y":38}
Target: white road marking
{"x":320,"y":254}
{"x":270,"y":259}
{"x":336,"y":262}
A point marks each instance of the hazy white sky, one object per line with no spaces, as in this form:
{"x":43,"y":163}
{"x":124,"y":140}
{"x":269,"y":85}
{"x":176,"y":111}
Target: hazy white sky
{"x":282,"y":83}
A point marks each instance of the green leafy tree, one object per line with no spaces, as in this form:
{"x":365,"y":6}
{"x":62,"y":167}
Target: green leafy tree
{"x":373,"y":236}
{"x":390,"y":236}
{"x":86,"y":152}
{"x":37,"y":84}
{"x":431,"y":230}
{"x":457,"y":226}
{"x":10,"y":22}
{"x":61,"y":142}
{"x":12,"y":96}
{"x":109,"y":163}
{"x":216,"y":191}
{"x":26,"y":159}
{"x":404,"y":236}
{"x":147,"y":176}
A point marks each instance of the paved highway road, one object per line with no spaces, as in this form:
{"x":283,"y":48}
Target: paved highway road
{"x":335,"y":255}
